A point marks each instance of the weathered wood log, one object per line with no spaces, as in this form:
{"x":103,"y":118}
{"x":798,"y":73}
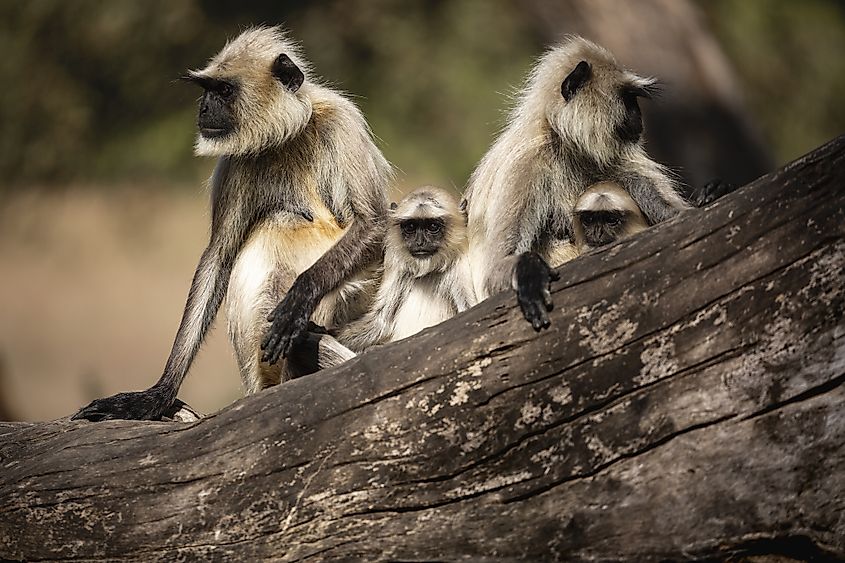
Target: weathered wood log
{"x":687,"y":403}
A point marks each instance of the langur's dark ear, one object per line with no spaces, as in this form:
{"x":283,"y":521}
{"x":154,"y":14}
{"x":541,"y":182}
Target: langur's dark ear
{"x":286,"y":72}
{"x":576,"y":79}
{"x":393,"y":206}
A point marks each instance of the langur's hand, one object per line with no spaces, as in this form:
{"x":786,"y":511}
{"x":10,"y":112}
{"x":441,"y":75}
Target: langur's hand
{"x":137,"y":405}
{"x":712,"y":190}
{"x":532,"y":281}
{"x":289,"y":320}
{"x":316,"y":329}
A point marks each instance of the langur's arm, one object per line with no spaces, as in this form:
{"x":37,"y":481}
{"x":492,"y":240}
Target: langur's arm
{"x":377,"y":325}
{"x":459,"y":285}
{"x":655,"y":194}
{"x":361,"y":245}
{"x":207,"y":290}
{"x":516,"y":265}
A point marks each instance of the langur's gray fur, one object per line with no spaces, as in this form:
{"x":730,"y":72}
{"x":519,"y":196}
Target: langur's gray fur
{"x":298,"y":206}
{"x":575,"y":123}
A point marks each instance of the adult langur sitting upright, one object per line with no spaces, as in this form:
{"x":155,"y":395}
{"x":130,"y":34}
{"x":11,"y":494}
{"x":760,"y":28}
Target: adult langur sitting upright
{"x":298,"y":205}
{"x":576,"y":122}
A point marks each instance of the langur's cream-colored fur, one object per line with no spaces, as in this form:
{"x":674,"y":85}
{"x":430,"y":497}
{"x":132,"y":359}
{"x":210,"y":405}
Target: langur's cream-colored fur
{"x":561,"y":251}
{"x":278,"y":251}
{"x":607,"y":196}
{"x":522,"y":195}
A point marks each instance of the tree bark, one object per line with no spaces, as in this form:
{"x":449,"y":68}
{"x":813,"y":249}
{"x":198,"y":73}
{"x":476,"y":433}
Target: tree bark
{"x":687,"y":403}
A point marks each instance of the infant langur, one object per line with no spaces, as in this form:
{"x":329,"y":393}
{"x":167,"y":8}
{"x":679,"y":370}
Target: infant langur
{"x":425,"y":278}
{"x":604,"y":214}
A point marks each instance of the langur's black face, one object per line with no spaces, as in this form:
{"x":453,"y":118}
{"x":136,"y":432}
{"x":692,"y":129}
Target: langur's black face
{"x":631,"y":127}
{"x":602,"y":227}
{"x":216,"y":116}
{"x":423,"y":237}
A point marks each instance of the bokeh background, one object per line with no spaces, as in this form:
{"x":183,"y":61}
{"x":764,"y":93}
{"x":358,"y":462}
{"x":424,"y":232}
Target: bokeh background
{"x":103,"y":209}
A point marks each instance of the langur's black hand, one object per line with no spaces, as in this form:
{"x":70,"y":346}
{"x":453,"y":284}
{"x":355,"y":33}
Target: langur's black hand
{"x":533,"y":279}
{"x":137,"y":405}
{"x":289,"y":320}
{"x":713,"y":190}
{"x":316,"y":329}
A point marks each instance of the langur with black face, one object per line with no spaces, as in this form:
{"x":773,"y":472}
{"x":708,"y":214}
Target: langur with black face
{"x":298,"y":213}
{"x":425,"y":280}
{"x":577,"y":122}
{"x":604,"y":214}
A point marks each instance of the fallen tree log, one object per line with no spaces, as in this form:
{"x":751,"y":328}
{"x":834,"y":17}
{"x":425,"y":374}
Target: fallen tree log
{"x":687,"y":403}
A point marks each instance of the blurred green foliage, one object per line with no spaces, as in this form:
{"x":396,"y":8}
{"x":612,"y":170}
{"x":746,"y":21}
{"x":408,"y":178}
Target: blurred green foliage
{"x":90,"y":92}
{"x":790,"y":59}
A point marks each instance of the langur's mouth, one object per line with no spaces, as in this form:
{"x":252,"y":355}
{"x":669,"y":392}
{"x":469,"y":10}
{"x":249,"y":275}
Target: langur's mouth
{"x":422,"y":254}
{"x":212,"y":133}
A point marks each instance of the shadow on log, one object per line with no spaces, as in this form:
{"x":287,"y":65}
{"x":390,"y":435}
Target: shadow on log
{"x":687,"y":403}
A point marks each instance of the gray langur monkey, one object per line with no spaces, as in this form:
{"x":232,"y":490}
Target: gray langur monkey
{"x":604,"y":214}
{"x":425,"y":280}
{"x":576,"y":122}
{"x":298,"y":210}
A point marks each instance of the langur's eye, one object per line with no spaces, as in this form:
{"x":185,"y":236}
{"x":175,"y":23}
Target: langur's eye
{"x":409,"y":227}
{"x":434,"y":228}
{"x":587,"y":219}
{"x":226,"y":90}
{"x":614,"y":221}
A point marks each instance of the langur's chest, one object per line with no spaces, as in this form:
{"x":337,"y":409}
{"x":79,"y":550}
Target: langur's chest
{"x":284,"y":245}
{"x":421,"y":309}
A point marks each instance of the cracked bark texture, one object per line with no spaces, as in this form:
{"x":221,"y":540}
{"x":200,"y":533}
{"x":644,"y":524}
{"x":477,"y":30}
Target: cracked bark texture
{"x":687,"y":403}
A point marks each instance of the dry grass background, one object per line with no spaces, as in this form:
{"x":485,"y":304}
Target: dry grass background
{"x":92,"y":285}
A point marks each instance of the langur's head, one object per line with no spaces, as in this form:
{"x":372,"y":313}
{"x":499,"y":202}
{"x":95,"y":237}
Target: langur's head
{"x":604,"y":214}
{"x":427,"y":232}
{"x":587,"y":98}
{"x":254,"y":94}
